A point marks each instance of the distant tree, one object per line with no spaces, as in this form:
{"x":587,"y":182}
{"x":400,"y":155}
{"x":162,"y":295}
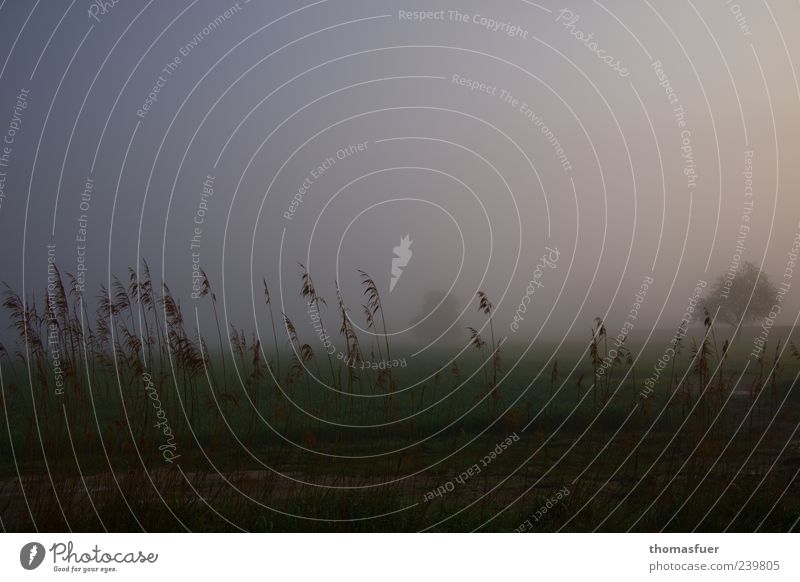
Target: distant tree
{"x":439,"y":311}
{"x":746,"y":299}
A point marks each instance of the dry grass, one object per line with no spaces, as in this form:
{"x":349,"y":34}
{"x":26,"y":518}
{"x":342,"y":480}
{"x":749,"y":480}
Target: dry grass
{"x":251,"y":420}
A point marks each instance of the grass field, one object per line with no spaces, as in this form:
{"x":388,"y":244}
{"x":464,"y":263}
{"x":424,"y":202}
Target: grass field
{"x":130,"y":423}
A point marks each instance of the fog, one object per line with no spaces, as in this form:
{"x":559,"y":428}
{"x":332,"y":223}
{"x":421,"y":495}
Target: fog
{"x":516,"y":160}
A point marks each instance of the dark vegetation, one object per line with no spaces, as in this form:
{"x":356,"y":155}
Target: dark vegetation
{"x":274,"y":434}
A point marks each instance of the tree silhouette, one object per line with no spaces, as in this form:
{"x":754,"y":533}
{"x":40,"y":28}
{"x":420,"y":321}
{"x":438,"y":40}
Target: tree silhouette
{"x":745,"y":298}
{"x":441,"y":311}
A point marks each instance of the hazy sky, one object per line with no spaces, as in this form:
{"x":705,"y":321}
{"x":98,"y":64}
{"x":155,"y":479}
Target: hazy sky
{"x":614,"y":133}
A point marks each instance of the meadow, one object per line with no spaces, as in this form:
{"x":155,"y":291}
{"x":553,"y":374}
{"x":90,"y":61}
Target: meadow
{"x":143,"y":426}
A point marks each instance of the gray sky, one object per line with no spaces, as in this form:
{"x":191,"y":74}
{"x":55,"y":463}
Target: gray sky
{"x":557,"y":149}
